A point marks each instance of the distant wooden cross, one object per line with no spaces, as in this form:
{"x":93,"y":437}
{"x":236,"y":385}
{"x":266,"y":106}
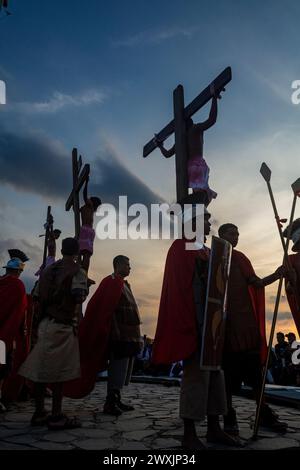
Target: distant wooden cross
{"x":79,"y":179}
{"x":178,"y":126}
{"x":48,"y":229}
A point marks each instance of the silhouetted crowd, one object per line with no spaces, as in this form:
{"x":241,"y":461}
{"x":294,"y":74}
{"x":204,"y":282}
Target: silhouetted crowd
{"x":282,"y":368}
{"x":281,"y":371}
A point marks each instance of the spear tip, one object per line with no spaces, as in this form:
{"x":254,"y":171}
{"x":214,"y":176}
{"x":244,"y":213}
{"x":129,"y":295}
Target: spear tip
{"x":265,"y":172}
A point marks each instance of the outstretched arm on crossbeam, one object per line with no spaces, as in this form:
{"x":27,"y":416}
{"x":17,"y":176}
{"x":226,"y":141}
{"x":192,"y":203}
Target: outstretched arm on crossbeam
{"x":213,"y":114}
{"x":166,"y":153}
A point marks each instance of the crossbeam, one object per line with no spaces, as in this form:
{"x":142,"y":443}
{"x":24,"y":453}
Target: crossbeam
{"x":219,"y":83}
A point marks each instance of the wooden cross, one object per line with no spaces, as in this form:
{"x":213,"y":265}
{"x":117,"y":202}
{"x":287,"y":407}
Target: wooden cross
{"x":79,"y":179}
{"x":178,"y":126}
{"x":48,"y":229}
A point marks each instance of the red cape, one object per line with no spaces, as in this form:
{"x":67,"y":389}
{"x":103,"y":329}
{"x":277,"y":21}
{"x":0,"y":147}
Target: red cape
{"x":176,"y":332}
{"x":257,"y":296}
{"x":13,"y":384}
{"x":94,"y":333}
{"x":292,"y":299}
{"x":13,"y":303}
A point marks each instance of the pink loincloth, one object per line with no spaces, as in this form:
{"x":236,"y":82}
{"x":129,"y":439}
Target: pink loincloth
{"x":86,"y":239}
{"x":198,"y":176}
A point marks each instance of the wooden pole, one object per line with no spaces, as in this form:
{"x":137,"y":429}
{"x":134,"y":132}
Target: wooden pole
{"x":275,"y":315}
{"x":46,"y":237}
{"x":181,"y":151}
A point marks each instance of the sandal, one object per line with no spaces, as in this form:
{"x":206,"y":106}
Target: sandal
{"x":57,"y":423}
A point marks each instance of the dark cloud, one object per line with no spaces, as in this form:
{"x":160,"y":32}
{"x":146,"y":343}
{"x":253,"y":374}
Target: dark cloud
{"x":39,"y":165}
{"x":272,"y":298}
{"x":33,"y":252}
{"x":147,"y":300}
{"x":34,"y":163}
{"x":281,"y":316}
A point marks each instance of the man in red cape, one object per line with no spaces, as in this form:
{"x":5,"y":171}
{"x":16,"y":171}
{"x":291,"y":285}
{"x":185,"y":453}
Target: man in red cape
{"x":178,"y":337}
{"x":245,"y":348}
{"x":13,"y":303}
{"x":15,"y":387}
{"x":108,"y":333}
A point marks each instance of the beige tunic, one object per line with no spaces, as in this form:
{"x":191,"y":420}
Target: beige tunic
{"x":55,"y":357}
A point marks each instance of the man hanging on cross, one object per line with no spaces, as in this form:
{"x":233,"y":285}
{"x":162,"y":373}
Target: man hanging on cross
{"x":84,"y":232}
{"x":51,"y":235}
{"x":198,"y":170}
{"x":87,"y":232}
{"x":191,"y":168}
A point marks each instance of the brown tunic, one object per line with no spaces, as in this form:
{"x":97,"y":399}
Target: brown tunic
{"x":242,"y":331}
{"x":125,"y":330}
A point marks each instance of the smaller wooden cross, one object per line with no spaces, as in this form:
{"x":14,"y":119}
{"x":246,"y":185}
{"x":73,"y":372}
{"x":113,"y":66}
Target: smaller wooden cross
{"x":48,"y":229}
{"x":79,"y":179}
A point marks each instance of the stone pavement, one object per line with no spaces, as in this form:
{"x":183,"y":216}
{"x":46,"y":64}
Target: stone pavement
{"x":153,"y":425}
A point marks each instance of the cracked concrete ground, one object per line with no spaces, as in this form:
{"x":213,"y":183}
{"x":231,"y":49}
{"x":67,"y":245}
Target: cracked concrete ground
{"x":153,"y":425}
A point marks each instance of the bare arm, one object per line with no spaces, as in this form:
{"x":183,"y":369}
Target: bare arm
{"x":166,"y":153}
{"x":212,"y":118}
{"x":258,"y":282}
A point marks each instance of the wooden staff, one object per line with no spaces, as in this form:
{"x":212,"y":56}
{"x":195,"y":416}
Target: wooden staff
{"x":266,"y":173}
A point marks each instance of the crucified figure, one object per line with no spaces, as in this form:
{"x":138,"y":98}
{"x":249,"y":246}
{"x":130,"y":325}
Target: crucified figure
{"x":197,"y":168}
{"x":87,"y":233}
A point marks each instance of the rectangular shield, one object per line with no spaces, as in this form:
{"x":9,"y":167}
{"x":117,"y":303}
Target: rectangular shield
{"x":215,"y":307}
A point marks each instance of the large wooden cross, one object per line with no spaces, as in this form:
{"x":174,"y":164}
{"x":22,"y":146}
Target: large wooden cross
{"x":79,"y":179}
{"x":178,"y":126}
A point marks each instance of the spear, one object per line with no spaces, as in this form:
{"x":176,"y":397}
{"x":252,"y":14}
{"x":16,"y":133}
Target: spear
{"x":266,"y":174}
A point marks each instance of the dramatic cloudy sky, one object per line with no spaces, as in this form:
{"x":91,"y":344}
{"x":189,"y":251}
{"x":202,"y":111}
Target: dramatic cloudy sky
{"x":99,"y":76}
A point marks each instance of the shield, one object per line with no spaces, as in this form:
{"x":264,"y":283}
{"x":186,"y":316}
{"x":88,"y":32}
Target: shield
{"x":215,"y":307}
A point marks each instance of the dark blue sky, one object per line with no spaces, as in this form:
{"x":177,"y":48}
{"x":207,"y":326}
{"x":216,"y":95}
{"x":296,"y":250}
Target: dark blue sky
{"x":99,"y":75}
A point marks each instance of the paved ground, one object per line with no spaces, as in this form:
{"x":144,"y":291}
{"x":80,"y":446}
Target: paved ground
{"x":153,"y":425}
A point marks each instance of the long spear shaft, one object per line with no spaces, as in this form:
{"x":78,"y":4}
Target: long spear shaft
{"x":277,"y":302}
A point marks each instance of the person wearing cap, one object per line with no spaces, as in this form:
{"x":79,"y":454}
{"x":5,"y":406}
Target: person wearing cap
{"x":245,"y":347}
{"x":178,"y":337}
{"x":55,"y":357}
{"x":13,"y":303}
{"x":292,"y":281}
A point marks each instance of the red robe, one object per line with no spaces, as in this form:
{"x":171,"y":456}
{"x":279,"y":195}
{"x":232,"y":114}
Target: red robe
{"x":257,"y":296}
{"x":176,"y":332}
{"x":13,"y":384}
{"x":13,"y":303}
{"x":94,"y":333}
{"x":293,"y":301}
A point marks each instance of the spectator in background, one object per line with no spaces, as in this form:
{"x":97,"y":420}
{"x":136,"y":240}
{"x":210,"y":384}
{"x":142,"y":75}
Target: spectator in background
{"x":282,"y":354}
